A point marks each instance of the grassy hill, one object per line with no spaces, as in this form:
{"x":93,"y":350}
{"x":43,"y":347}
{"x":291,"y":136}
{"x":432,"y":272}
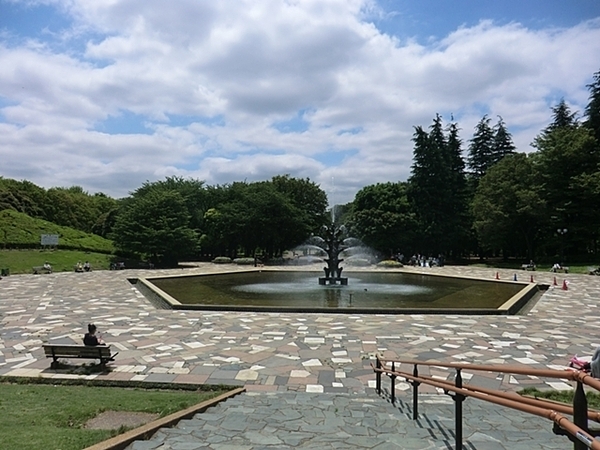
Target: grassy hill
{"x":18,"y":230}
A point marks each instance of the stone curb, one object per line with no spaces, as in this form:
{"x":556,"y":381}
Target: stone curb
{"x":121,"y":441}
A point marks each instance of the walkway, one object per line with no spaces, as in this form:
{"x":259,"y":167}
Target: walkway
{"x":280,"y":420}
{"x":284,"y":352}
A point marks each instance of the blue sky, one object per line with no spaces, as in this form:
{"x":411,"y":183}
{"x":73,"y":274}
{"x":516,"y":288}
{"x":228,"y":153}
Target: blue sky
{"x":108,"y":95}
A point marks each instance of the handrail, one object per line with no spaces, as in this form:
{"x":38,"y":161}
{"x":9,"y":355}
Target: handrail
{"x":560,"y":407}
{"x":574,"y":375}
{"x":577,"y":430}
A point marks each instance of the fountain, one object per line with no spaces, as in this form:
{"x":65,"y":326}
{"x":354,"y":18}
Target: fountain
{"x":369,"y":292}
{"x":333,"y":244}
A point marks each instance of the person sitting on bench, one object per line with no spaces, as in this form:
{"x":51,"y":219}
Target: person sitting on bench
{"x":90,"y":337}
{"x":47,"y":267}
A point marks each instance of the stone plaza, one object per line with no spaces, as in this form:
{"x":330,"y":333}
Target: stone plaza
{"x":287,"y":352}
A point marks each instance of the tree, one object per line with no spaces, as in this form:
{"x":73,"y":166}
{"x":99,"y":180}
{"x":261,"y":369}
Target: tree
{"x":592,"y":110}
{"x":508,"y":209}
{"x":264,"y":217}
{"x":562,"y":118}
{"x":436,"y":189}
{"x":382,"y":218}
{"x":155,"y":224}
{"x":307,"y":197}
{"x":503,"y":143}
{"x":481,"y":149}
{"x":567,"y":160}
{"x":488,"y":146}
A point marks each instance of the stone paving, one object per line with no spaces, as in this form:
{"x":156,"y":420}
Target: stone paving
{"x":277,"y":420}
{"x":286,"y":352}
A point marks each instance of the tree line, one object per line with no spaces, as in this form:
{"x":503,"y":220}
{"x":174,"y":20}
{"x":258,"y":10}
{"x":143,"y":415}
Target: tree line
{"x":486,"y":199}
{"x":174,"y":219}
{"x":494,"y":201}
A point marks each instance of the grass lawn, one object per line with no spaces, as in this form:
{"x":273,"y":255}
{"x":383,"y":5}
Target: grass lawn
{"x":22,"y":261}
{"x":593,"y":398}
{"x":42,"y":416}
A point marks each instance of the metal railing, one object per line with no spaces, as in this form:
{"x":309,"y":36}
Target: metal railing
{"x":577,"y":430}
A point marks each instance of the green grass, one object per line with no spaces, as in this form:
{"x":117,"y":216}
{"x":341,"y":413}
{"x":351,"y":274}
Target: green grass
{"x":22,"y":261}
{"x":593,"y":398}
{"x":20,"y":229}
{"x":41,"y":416}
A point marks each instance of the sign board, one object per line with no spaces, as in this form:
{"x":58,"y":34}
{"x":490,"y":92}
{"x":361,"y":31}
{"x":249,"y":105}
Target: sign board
{"x":50,"y":239}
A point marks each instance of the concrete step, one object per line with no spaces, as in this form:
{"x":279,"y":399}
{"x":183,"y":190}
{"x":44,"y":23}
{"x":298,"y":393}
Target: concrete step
{"x":253,"y":421}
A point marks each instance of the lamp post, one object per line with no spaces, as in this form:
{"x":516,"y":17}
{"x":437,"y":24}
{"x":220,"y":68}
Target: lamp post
{"x":562,"y":232}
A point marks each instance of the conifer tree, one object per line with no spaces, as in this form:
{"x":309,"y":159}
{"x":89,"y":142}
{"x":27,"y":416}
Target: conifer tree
{"x":592,"y":111}
{"x":436,"y":188}
{"x":503,"y":143}
{"x":481,"y":148}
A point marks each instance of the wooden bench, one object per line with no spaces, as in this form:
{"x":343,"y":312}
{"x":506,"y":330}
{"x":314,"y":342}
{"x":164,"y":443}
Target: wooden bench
{"x":55,"y":351}
{"x":561,"y":269}
{"x":41,"y":269}
{"x":527,"y":267}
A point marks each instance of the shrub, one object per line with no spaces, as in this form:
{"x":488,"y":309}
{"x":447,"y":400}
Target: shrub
{"x":244,"y":261}
{"x":222,"y":260}
{"x":389,"y":264}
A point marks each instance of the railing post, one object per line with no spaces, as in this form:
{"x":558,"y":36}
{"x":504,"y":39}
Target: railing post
{"x":393,"y":388}
{"x":458,"y":401}
{"x":415,"y":385}
{"x":580,"y":414}
{"x":378,"y":376}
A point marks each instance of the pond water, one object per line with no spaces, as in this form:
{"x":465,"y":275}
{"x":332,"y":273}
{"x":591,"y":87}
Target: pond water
{"x":365,"y":291}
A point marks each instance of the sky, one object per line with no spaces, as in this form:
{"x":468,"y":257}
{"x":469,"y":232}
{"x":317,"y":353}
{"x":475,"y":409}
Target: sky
{"x":108,"y":95}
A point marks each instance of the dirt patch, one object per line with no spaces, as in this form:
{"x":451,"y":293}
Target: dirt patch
{"x":112,"y":420}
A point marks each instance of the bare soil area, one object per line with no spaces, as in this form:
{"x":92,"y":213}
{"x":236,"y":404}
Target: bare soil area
{"x":112,"y":420}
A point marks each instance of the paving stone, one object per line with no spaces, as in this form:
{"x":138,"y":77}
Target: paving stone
{"x":262,"y":350}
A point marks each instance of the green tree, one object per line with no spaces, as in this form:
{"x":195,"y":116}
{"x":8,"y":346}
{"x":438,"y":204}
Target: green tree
{"x":481,"y":149}
{"x":592,"y":110}
{"x":567,"y":161}
{"x":436,"y":189}
{"x":261,"y":217}
{"x":155,"y":223}
{"x":193,"y":192}
{"x":503,"y":143}
{"x":307,"y":197}
{"x":508,"y":209}
{"x":383,"y":219}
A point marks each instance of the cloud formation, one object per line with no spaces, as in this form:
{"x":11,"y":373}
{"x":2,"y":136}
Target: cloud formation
{"x":132,"y":90}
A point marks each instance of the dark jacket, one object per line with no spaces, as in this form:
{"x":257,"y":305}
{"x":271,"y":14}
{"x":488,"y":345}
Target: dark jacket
{"x":90,"y":339}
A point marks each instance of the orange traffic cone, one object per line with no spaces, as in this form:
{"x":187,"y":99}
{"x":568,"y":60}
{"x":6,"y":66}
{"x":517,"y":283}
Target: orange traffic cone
{"x":555,"y":283}
{"x":565,"y":286}
{"x":531,"y":279}
{"x":497,"y":276}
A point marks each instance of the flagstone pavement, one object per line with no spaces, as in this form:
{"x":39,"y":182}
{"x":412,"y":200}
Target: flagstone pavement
{"x":313,"y":353}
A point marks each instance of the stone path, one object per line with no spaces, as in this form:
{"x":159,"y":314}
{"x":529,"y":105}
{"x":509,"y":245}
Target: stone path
{"x":278,"y":420}
{"x":285,"y":352}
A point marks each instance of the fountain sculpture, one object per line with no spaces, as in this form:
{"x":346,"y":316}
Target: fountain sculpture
{"x":333,"y":244}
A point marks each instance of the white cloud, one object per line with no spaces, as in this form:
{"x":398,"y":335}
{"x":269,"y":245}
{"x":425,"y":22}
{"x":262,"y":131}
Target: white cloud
{"x":210,"y":81}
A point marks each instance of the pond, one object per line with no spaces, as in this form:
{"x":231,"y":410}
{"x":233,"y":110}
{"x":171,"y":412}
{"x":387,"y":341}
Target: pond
{"x":365,"y":292}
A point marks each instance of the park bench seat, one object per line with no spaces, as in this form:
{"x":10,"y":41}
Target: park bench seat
{"x":528,"y":267}
{"x":41,"y":269}
{"x":55,"y":351}
{"x":562,"y":269}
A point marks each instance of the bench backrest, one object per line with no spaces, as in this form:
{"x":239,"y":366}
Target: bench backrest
{"x":77,"y":351}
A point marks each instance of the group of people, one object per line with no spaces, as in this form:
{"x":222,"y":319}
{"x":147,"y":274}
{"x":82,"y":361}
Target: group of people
{"x":85,"y":267}
{"x":422,"y":260}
